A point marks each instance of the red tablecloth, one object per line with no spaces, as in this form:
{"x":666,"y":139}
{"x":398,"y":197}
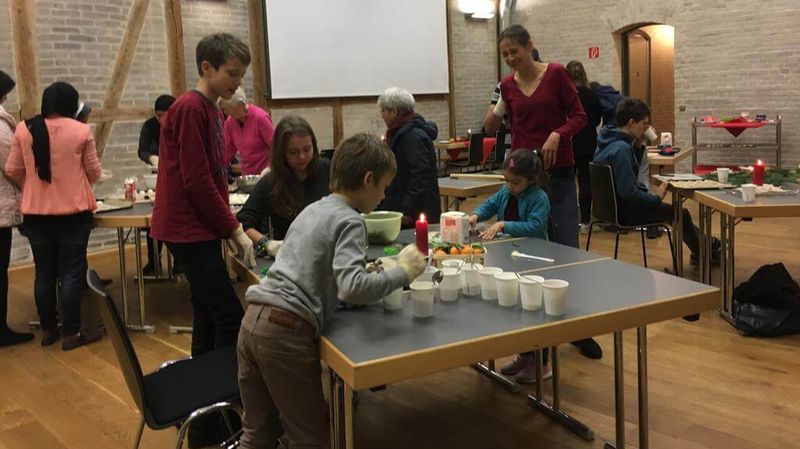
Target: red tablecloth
{"x":736,"y":126}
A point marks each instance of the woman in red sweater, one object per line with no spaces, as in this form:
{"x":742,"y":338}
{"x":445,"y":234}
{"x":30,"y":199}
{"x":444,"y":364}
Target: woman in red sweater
{"x":545,"y":113}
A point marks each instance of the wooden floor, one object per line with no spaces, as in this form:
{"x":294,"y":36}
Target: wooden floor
{"x":709,"y":387}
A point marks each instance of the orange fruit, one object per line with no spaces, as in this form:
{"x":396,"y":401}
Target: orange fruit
{"x":477,"y":251}
{"x":440,"y":252}
{"x":466,"y":250}
{"x":454,"y":250}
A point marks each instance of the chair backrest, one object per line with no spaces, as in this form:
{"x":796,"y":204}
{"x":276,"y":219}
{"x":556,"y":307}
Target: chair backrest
{"x":475,"y":149}
{"x":604,"y":195}
{"x":118,"y":335}
{"x":500,"y":145}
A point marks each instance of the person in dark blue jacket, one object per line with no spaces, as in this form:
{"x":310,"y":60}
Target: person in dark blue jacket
{"x":636,"y":204}
{"x":521,"y":206}
{"x":415,"y":188}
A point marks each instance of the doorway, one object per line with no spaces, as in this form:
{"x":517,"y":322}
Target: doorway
{"x":648,"y":71}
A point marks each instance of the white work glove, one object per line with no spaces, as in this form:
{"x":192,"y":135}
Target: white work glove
{"x":154,"y":161}
{"x":243,"y":246}
{"x":273,"y":246}
{"x":411,"y":261}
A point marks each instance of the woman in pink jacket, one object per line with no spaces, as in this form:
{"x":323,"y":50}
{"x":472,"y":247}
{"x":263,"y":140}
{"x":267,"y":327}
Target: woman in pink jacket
{"x":10,"y":215}
{"x":54,"y":160}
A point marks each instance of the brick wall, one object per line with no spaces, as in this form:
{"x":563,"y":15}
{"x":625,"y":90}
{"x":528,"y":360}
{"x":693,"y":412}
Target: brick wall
{"x":730,"y":56}
{"x":78,"y":42}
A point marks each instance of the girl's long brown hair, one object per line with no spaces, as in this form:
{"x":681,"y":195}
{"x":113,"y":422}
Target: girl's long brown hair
{"x":286,"y":189}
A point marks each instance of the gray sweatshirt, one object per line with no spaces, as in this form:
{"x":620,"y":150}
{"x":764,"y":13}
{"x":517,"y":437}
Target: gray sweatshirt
{"x":322,"y":261}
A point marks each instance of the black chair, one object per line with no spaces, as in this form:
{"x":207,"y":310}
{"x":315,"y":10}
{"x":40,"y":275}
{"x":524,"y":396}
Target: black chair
{"x":604,"y":210}
{"x":496,"y":157}
{"x":180,"y":391}
{"x":475,"y":158}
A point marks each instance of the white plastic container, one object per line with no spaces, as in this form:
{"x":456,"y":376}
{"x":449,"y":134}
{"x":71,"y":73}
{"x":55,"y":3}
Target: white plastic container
{"x":530,"y":289}
{"x":454,"y":227}
{"x":472,"y":282}
{"x":488,"y":284}
{"x":422,"y":299}
{"x":722,"y":174}
{"x":394,"y":300}
{"x":450,"y":284}
{"x":555,"y":296}
{"x":455,"y":263}
{"x":507,"y":289}
{"x":748,"y":193}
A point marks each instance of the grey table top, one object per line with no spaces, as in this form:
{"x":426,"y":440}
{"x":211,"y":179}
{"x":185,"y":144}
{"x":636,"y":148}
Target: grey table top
{"x":140,"y":208}
{"x":368,"y":334}
{"x":466,"y":183}
{"x":498,"y":253}
{"x":729,"y":202}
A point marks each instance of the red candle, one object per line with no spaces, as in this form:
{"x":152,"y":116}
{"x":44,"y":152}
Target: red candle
{"x":758,"y":173}
{"x":422,"y":234}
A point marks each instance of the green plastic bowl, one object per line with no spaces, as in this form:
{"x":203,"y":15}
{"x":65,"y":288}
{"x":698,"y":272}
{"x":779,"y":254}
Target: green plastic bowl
{"x":382,"y":226}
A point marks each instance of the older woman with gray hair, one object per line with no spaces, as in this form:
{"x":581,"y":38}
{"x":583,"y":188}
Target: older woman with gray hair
{"x":248,"y":131}
{"x":415,"y":188}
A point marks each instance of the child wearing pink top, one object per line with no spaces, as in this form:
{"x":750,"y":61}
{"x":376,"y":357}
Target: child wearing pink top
{"x":54,"y":160}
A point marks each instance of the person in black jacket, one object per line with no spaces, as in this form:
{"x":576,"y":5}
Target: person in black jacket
{"x":585,"y":142}
{"x":415,"y":188}
{"x":298,"y":176}
{"x":148,"y":153}
{"x":148,"y":136}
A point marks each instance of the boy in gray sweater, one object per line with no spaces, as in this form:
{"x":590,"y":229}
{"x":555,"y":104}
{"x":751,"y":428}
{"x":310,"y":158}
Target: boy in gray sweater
{"x":321,"y":262}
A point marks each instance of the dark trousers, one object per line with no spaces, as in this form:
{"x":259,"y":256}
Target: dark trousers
{"x":152,"y":255}
{"x":217,"y":310}
{"x":58,"y":243}
{"x":584,"y":191}
{"x":5,"y":258}
{"x":631,"y":215}
{"x":563,"y":206}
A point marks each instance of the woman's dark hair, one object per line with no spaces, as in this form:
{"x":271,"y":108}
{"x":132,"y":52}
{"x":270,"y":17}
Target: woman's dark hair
{"x":517,"y":33}
{"x":286,"y":189}
{"x":631,"y":109}
{"x":527,"y":164}
{"x":577,"y":73}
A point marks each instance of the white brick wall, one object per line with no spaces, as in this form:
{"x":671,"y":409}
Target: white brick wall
{"x":78,"y":42}
{"x":730,"y":56}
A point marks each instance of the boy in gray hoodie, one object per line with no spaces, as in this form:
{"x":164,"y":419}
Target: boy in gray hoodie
{"x":321,"y":262}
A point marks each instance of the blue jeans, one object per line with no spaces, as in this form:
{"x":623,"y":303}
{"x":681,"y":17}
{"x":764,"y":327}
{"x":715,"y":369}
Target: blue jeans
{"x":563,"y":206}
{"x":58,"y":243}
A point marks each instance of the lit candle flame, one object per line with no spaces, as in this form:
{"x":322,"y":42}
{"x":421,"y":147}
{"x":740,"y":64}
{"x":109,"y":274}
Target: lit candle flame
{"x":421,"y":217}
{"x":759,"y":162}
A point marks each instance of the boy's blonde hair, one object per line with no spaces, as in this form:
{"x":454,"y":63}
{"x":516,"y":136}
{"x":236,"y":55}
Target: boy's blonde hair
{"x":358,"y":155}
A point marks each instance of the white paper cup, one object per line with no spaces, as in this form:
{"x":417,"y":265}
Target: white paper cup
{"x":455,"y":263}
{"x":650,"y":134}
{"x":507,"y":289}
{"x":530,"y":289}
{"x":427,"y":275}
{"x":722,"y":174}
{"x":748,"y":193}
{"x":422,"y":299}
{"x":555,"y":296}
{"x":394,"y":300}
{"x":488,"y":285}
{"x":472,"y":283}
{"x":450,"y":284}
